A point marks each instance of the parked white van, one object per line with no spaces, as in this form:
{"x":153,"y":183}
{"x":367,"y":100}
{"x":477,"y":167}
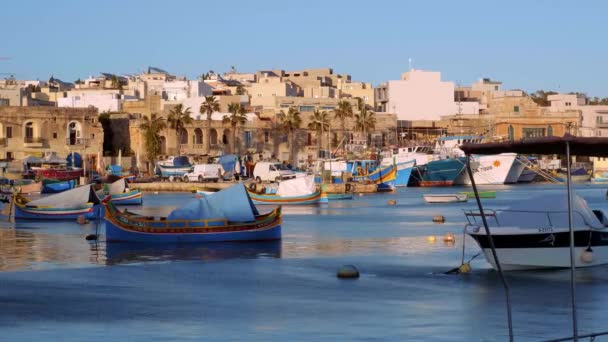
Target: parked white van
{"x":271,"y":172}
{"x":204,"y":173}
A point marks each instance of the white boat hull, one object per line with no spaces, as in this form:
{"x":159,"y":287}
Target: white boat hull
{"x":512,"y":259}
{"x":491,"y":170}
{"x":445,"y":198}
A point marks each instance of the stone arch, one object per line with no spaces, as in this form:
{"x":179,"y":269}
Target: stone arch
{"x":226,"y":137}
{"x":198,"y":136}
{"x":183,"y":136}
{"x":213,"y":136}
{"x":163,"y":145}
{"x":74,"y":133}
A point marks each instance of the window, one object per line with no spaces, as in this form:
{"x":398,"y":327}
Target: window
{"x":307,"y":108}
{"x":9,"y":132}
{"x":29,"y":130}
{"x":92,"y":135}
{"x":516,"y":109}
{"x":599,"y":119}
{"x":54,"y":135}
{"x":9,"y":155}
{"x":495,"y":87}
{"x":510,"y":132}
{"x":533,"y":132}
{"x":266,"y":137}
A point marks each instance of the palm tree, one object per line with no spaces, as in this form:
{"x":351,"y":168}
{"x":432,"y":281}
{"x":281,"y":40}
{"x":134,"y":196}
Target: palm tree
{"x":343,"y":112}
{"x":365,"y":121}
{"x":319,"y":122}
{"x":290,"y":122}
{"x":210,"y":106}
{"x":236,"y":118}
{"x":178,"y":119}
{"x":151,"y":128}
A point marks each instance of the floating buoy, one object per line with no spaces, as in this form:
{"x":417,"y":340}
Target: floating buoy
{"x":392,"y":202}
{"x":449,"y":237}
{"x":587,"y":256}
{"x":439,"y":218}
{"x":91,"y":237}
{"x":464,"y":268}
{"x":81,"y":220}
{"x":348,"y":272}
{"x":156,"y":192}
{"x":360,"y":194}
{"x":431,"y":239}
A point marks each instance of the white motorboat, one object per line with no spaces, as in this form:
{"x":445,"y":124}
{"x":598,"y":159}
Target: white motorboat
{"x":534,"y":233}
{"x":445,"y":198}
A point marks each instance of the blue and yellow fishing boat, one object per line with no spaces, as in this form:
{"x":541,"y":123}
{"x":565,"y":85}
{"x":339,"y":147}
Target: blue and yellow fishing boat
{"x":228,"y":215}
{"x":121,"y":194}
{"x":68,"y":205}
{"x":383,"y":175}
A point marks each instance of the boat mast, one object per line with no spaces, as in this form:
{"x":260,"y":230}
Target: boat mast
{"x":491,"y":240}
{"x":572,"y":261}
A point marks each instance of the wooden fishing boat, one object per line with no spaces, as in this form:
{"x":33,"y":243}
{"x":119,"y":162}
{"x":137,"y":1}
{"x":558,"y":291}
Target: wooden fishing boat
{"x":228,"y":215}
{"x":384,"y":176}
{"x":121,"y":194}
{"x":300,"y":190}
{"x":53,"y":186}
{"x":482,"y":194}
{"x":444,"y":198}
{"x":68,"y":205}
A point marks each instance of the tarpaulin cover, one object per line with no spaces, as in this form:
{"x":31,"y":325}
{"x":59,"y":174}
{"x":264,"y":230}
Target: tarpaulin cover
{"x":299,"y":186}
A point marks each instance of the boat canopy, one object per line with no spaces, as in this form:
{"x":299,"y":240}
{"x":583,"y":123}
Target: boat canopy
{"x":580,"y":146}
{"x":548,"y":211}
{"x":73,"y":198}
{"x":232,"y":203}
{"x":118,"y":187}
{"x":299,"y":186}
{"x":115,"y":169}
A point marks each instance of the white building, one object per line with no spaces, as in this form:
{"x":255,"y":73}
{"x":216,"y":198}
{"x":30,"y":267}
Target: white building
{"x":179,"y":90}
{"x":103,"y":100}
{"x":421,"y":95}
{"x":594,"y":117}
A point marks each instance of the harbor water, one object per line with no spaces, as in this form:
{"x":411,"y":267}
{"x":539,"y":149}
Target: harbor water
{"x":55,"y":285}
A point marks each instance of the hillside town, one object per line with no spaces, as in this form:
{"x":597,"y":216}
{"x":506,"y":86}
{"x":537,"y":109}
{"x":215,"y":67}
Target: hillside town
{"x":291,"y":115}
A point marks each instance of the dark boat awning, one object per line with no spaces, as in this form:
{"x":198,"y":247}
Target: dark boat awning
{"x":579,"y":146}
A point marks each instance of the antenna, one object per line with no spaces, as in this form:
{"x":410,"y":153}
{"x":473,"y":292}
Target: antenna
{"x":409,"y":60}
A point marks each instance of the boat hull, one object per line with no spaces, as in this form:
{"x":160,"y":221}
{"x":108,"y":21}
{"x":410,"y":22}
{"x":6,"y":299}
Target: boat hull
{"x":440,"y":172}
{"x":62,"y":175}
{"x":447,"y":198}
{"x":30,"y":213}
{"x":337,"y":197}
{"x":404,"y":171}
{"x":384,"y":177}
{"x":120,"y":228}
{"x":22,"y":189}
{"x":492,"y":170}
{"x":133,"y":197}
{"x":313,"y":198}
{"x":175,"y":171}
{"x":527,"y":176}
{"x":543,"y":250}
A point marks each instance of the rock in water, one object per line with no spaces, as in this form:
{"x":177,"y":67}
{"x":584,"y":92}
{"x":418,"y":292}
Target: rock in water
{"x":392,"y":202}
{"x":439,"y":218}
{"x":348,"y":272}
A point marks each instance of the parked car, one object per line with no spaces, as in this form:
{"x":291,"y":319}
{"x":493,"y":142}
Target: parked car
{"x":271,"y":171}
{"x":204,"y":173}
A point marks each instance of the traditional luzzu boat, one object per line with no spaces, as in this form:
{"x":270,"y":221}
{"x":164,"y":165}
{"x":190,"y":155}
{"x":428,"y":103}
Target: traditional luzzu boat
{"x":53,"y":186}
{"x":384,"y":176}
{"x":228,"y":215}
{"x":404,"y":167}
{"x":121,"y":194}
{"x":300,"y":190}
{"x":68,"y":205}
{"x":117,"y":172}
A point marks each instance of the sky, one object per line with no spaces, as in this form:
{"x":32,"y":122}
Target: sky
{"x":529,"y":45}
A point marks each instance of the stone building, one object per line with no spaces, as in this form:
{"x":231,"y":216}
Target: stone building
{"x":35,"y":131}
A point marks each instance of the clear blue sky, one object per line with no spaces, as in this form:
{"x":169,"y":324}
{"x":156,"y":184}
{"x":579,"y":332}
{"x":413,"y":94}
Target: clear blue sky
{"x":530,"y":45}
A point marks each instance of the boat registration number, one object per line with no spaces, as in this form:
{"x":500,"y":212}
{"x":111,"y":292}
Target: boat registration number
{"x":545,"y":230}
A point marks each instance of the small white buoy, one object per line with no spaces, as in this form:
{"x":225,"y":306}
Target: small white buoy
{"x":449,"y":237}
{"x":360,"y":194}
{"x":156,"y":192}
{"x":439,"y":218}
{"x":348,"y":272}
{"x":587,"y":256}
{"x":392,"y":202}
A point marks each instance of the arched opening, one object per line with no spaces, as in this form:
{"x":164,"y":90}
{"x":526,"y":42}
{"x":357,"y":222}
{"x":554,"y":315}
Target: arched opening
{"x":74,"y":133}
{"x":29,"y":132}
{"x":163,"y":145}
{"x":198,"y":136}
{"x":183,"y":136}
{"x":511,"y":132}
{"x":226,"y":137}
{"x":213,"y":136}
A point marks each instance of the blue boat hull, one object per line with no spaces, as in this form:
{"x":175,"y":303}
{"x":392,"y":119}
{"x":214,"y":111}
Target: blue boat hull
{"x":440,"y":172}
{"x":337,"y":197}
{"x":25,"y":213}
{"x":404,"y":171}
{"x":133,"y":197}
{"x":53,"y":188}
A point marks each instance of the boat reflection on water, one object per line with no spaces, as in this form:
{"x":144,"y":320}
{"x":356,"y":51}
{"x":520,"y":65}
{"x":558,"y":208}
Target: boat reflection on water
{"x":120,"y":253}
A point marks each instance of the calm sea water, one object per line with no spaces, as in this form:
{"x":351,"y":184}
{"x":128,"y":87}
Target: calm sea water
{"x":55,"y":285}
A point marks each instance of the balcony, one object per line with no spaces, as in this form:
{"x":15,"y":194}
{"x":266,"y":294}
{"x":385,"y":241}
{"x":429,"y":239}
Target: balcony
{"x":32,"y":142}
{"x":74,"y":141}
